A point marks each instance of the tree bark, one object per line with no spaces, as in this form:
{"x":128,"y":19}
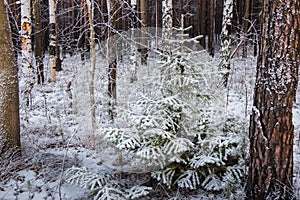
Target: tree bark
{"x":74,"y":32}
{"x":226,"y":38}
{"x":167,"y":24}
{"x":133,"y":49}
{"x":211,"y":28}
{"x":144,"y":41}
{"x":246,"y":27}
{"x":38,"y":40}
{"x":203,"y":22}
{"x":111,"y":57}
{"x":271,"y":126}
{"x":52,"y":38}
{"x":14,"y":20}
{"x":256,"y":10}
{"x":9,"y":91}
{"x":26,"y":29}
{"x":85,"y":46}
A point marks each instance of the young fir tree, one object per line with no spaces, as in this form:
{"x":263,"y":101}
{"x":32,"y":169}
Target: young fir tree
{"x":173,"y":122}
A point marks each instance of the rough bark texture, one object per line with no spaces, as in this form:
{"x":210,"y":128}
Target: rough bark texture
{"x":144,"y":50}
{"x":203,"y":26}
{"x":255,"y":17}
{"x":246,"y":27}
{"x":84,"y":44}
{"x":111,"y":57}
{"x":9,"y":97}
{"x":211,"y":28}
{"x":14,"y":20}
{"x":271,"y":127}
{"x":38,"y":50}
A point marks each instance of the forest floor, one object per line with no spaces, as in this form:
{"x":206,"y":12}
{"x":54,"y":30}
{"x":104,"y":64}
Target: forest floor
{"x":53,"y":141}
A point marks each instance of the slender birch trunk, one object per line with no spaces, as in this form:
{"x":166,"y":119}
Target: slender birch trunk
{"x":167,"y":22}
{"x":52,"y":37}
{"x":27,"y":48}
{"x":226,"y":38}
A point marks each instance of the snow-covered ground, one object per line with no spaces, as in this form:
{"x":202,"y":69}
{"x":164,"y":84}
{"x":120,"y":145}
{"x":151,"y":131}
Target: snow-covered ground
{"x":56,"y":135}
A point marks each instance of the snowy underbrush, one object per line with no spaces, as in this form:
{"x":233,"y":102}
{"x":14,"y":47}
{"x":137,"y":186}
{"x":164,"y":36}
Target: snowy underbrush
{"x":33,"y":175}
{"x":176,"y":124}
{"x":178,"y":134}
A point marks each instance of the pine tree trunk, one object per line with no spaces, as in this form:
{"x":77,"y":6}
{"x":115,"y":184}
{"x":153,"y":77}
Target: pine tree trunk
{"x":246,"y":27}
{"x":256,"y":10}
{"x":156,"y":23}
{"x":73,"y":33}
{"x":69,"y":28}
{"x":104,"y":19}
{"x":52,"y":38}
{"x":143,"y":32}
{"x":125,"y":12}
{"x":271,"y":126}
{"x":203,"y":26}
{"x":59,"y":29}
{"x":188,"y":19}
{"x":211,"y":29}
{"x":111,"y":57}
{"x":14,"y":17}
{"x":226,"y":38}
{"x":27,"y":48}
{"x":64,"y":28}
{"x":38,"y":40}
{"x":9,"y":91}
{"x":85,"y":30}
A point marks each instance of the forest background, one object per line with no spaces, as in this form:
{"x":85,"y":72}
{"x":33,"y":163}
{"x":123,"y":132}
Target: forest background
{"x":107,"y":85}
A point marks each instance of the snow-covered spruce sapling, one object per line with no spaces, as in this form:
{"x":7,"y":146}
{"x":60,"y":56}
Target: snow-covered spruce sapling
{"x":104,"y":186}
{"x":175,"y":122}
